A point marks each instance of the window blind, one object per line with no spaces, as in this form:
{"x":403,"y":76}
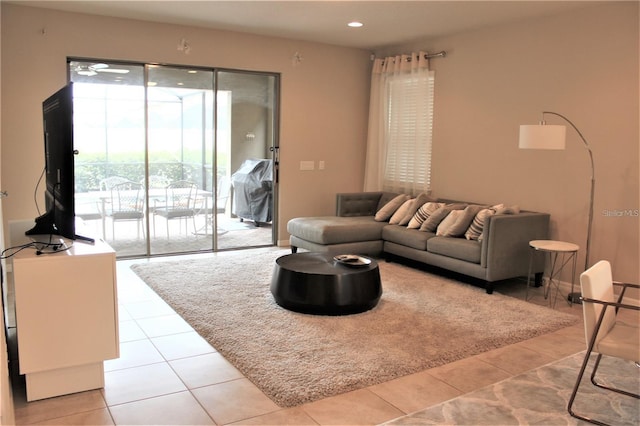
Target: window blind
{"x":408,"y":129}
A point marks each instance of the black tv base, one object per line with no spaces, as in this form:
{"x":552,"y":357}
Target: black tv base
{"x":45,"y":226}
{"x":85,"y":239}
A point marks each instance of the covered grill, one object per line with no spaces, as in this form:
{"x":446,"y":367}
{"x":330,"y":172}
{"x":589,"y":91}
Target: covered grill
{"x":252,"y":190}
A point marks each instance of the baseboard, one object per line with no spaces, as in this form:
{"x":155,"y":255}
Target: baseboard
{"x":565,"y":289}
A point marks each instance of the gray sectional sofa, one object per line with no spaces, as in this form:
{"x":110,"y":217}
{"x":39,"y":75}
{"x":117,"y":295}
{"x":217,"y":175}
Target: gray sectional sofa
{"x":500,"y":252}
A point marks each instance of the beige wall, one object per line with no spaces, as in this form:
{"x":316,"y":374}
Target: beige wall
{"x":324,"y":98}
{"x":6,"y":396}
{"x":582,"y":64}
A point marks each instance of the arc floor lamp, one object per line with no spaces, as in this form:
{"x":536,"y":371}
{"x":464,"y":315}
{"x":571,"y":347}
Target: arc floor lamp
{"x":545,"y":136}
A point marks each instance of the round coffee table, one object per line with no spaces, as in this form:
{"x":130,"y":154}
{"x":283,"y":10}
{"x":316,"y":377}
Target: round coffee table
{"x":315,"y":283}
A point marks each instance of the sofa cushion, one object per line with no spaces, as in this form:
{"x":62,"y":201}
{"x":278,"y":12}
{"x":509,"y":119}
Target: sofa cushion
{"x":447,"y":223}
{"x":413,"y":208}
{"x":390,"y":208}
{"x":407,"y":237}
{"x":423,"y":213}
{"x":432,"y":222}
{"x":336,"y":229}
{"x":476,"y":228}
{"x":463,"y":220}
{"x":385,"y":197}
{"x":508,"y":210}
{"x":457,"y":248}
{"x":401,"y":212}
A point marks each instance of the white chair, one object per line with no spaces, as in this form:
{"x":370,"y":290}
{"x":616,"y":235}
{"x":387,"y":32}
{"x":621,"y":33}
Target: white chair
{"x":155,"y":182}
{"x":604,"y":332}
{"x":222,"y":196}
{"x":108,"y":183}
{"x":180,"y":203}
{"x":126,"y":204}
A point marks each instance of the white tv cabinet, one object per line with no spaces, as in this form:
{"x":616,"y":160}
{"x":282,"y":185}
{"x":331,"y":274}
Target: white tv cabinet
{"x":66,"y":318}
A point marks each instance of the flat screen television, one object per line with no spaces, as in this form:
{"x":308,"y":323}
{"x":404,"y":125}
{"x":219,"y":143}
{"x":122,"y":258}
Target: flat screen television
{"x":57,"y":119}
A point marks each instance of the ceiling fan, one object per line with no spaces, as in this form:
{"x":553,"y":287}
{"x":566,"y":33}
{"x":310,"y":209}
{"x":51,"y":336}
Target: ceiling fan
{"x":94,"y":69}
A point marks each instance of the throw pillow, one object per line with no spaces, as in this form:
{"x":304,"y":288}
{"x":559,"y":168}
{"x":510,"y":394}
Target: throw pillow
{"x":431,"y":224}
{"x":448,"y":222}
{"x":508,"y":210}
{"x":390,"y":208}
{"x":401,"y":212}
{"x":417,"y":203}
{"x":477,"y":225}
{"x":463,"y":221}
{"x":423,"y":213}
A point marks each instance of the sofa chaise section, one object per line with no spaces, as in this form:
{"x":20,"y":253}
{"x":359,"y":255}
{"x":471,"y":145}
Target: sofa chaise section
{"x":337,"y":234}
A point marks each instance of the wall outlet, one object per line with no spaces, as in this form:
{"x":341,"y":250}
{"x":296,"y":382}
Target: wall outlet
{"x":321,"y":165}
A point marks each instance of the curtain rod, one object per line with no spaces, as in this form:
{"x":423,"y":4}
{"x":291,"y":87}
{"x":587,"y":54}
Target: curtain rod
{"x":440,"y":54}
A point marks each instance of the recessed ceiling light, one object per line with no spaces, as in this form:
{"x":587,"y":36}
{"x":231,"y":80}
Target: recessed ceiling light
{"x":355,"y":24}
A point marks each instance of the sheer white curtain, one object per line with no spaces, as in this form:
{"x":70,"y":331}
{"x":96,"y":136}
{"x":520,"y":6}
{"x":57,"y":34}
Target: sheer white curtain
{"x":400,"y":125}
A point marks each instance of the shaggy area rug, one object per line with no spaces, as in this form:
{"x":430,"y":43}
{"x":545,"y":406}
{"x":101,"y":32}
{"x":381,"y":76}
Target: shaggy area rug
{"x":422,"y":321}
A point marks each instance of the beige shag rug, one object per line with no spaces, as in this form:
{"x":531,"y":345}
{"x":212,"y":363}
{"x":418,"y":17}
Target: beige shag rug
{"x":422,"y":321}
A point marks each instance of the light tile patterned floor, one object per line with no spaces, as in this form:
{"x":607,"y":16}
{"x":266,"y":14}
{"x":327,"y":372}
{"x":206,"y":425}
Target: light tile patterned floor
{"x":167,"y":374}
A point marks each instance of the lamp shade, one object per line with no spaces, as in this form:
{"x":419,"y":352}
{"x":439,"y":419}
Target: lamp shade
{"x":542,"y":136}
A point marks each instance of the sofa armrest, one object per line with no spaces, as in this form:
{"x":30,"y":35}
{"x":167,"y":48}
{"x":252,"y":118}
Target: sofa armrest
{"x":505,"y":247}
{"x":357,"y":203}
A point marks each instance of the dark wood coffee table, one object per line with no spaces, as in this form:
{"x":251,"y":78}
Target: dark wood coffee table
{"x":315,"y":283}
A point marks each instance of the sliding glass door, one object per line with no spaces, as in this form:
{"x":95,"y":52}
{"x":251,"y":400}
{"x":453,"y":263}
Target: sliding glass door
{"x":196,"y":144}
{"x":109,"y":135}
{"x":246,"y":142}
{"x":180,"y":141}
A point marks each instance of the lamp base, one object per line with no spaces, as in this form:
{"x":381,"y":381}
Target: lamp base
{"x":575,"y":298}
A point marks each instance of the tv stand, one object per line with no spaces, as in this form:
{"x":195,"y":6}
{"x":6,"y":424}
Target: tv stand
{"x":66,"y":318}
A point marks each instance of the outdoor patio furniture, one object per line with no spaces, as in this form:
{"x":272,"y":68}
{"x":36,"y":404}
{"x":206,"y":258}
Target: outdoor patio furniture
{"x":252,"y":190}
{"x":126,"y":204}
{"x":179,"y":203}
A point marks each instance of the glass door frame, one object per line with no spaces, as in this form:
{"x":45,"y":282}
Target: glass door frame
{"x":273,"y":148}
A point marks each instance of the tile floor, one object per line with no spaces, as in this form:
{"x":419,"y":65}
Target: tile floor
{"x":167,"y":374}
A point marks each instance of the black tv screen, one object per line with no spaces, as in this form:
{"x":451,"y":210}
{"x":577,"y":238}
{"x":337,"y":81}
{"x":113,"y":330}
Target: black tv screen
{"x":57,"y":121}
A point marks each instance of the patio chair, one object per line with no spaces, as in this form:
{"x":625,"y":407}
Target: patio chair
{"x":156,"y":182}
{"x":126,"y":204}
{"x":605,"y":333}
{"x":223,"y":193}
{"x":179,"y":203}
{"x":206,"y":208}
{"x":108,"y":183}
{"x":89,"y":210}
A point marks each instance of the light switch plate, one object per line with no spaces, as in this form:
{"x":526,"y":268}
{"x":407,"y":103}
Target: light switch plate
{"x":307,"y":165}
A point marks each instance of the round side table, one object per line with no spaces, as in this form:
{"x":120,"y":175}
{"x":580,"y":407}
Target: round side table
{"x":560,"y":253}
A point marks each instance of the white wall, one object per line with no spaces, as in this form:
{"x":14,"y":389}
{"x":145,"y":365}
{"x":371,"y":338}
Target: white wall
{"x":323,"y":99}
{"x":582,"y":64}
